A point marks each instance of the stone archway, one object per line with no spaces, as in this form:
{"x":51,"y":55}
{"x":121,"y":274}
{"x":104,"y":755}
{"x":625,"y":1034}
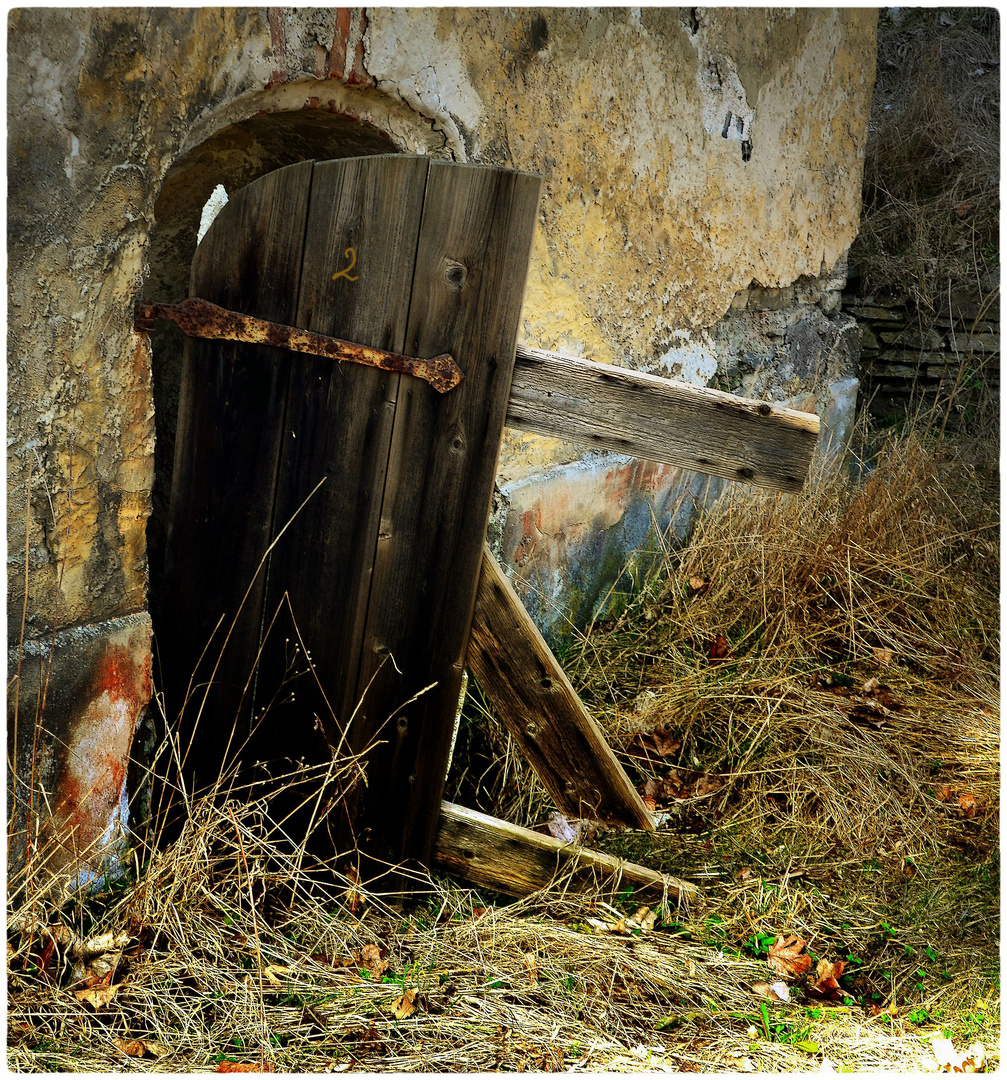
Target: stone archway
{"x":233,"y":156}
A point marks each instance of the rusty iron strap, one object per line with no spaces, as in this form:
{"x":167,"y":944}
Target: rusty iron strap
{"x":201,"y":319}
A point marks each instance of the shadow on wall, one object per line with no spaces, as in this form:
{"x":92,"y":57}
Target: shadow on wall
{"x":233,"y":157}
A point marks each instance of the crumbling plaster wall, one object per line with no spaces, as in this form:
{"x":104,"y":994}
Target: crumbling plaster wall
{"x":687,"y":154}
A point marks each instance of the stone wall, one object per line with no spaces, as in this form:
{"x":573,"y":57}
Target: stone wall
{"x":688,"y":155}
{"x":911,"y":360}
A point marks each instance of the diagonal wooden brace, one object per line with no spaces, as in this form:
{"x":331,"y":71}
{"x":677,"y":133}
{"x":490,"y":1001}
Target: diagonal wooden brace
{"x":200,"y":318}
{"x":540,"y":708}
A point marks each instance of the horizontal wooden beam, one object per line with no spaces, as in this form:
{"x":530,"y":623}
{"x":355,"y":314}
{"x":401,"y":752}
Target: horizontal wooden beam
{"x":611,"y":408}
{"x":533,"y":697}
{"x":497,"y":855}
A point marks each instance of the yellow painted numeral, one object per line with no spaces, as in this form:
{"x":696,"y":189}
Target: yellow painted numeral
{"x":352,"y":256}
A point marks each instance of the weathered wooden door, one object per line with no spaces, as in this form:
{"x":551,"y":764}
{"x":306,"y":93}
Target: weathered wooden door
{"x":369,"y":490}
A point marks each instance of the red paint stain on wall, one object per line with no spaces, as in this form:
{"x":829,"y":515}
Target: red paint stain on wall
{"x":279,"y":43}
{"x":96,"y":757}
{"x":341,"y":66}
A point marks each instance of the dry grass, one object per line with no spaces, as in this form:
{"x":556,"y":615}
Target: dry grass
{"x":895,"y":580}
{"x":930,"y":218}
{"x":791,"y":814}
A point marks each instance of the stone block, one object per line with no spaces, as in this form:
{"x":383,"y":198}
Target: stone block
{"x":912,"y":339}
{"x":869,"y":342}
{"x":987,"y":343}
{"x":872,"y":311}
{"x":770,"y":299}
{"x":74,"y":703}
{"x":830,"y":303}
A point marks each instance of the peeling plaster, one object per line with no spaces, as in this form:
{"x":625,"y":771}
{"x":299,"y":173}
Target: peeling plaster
{"x":689,"y":360}
{"x":395,"y":44}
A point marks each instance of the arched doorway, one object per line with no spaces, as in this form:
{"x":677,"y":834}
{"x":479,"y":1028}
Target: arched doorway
{"x":233,"y":157}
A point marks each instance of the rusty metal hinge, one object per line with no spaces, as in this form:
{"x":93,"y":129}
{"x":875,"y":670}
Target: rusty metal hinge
{"x":201,"y":319}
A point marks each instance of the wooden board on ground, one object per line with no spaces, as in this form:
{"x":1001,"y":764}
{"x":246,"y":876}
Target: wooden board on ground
{"x":612,"y":408}
{"x":496,"y":855}
{"x":547,"y":720}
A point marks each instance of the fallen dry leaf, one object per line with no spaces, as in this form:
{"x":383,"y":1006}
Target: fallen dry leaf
{"x":531,"y":966}
{"x":370,"y":959}
{"x":778,"y":991}
{"x":244,"y":1066}
{"x":103,"y":943}
{"x":826,"y":982}
{"x":645,"y":918}
{"x":652,"y":746}
{"x":883,"y":656}
{"x":868,"y":716}
{"x":641,"y":922}
{"x":97,"y":996}
{"x":967,"y":802}
{"x":353,"y":896}
{"x":945,"y":793}
{"x":273,"y":973}
{"x":786,"y":957}
{"x":699,"y":585}
{"x":719,"y":650}
{"x":562,"y":829}
{"x":139,"y":1048}
{"x":405,"y":1005}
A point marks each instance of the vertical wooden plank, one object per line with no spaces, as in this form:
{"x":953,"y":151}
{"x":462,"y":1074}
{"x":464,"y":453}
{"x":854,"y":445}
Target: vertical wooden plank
{"x":471,"y":266}
{"x":226,"y":451}
{"x":338,"y":429}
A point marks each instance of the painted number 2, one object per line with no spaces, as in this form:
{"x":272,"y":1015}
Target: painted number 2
{"x":345,"y":272}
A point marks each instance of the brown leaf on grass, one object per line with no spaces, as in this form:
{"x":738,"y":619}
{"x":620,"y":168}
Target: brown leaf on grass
{"x":882,"y":694}
{"x":967,"y":803}
{"x":945,"y":793}
{"x":97,"y":996}
{"x":786,"y":957}
{"x":245,"y":1066}
{"x":778,"y":991}
{"x":700,"y":585}
{"x":139,"y":1048}
{"x":353,"y":896}
{"x":531,"y":967}
{"x":719,"y":650}
{"x":825,"y":985}
{"x":883,"y":656}
{"x":370,"y":959}
{"x":406,"y":1005}
{"x":651,"y":746}
{"x":868,"y":716}
{"x":706,"y":784}
{"x":679,"y":785}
